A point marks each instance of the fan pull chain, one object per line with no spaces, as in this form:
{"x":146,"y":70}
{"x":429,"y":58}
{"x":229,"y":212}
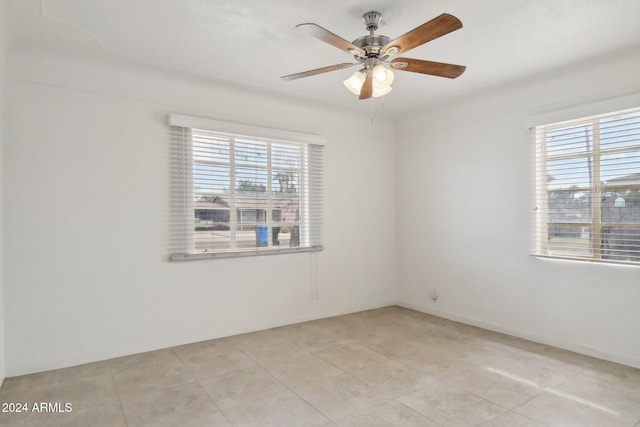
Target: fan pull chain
{"x":371,"y":103}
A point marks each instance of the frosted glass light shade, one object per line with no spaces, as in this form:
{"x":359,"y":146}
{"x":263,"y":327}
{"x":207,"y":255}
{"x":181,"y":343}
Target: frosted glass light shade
{"x":355,"y":82}
{"x":377,"y":92}
{"x":382,"y":77}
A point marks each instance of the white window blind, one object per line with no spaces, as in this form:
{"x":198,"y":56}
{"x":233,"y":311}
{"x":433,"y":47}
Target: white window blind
{"x":587,"y":189}
{"x":241,"y":194}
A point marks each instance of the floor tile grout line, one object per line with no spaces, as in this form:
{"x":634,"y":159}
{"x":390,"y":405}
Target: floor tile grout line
{"x":213,"y":402}
{"x":514,"y":410}
{"x":519,"y":415}
{"x":345,"y":371}
{"x":490,"y":401}
{"x":417,"y":412}
{"x":168,"y":387}
{"x":288,"y":388}
{"x":115,"y":385}
{"x":197,"y":381}
{"x":34,"y":416}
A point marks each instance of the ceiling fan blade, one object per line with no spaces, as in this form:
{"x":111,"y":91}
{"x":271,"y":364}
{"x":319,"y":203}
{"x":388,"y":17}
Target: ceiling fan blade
{"x":428,"y":31}
{"x":318,"y":71}
{"x":367,"y":88}
{"x":439,"y":69}
{"x":328,"y":37}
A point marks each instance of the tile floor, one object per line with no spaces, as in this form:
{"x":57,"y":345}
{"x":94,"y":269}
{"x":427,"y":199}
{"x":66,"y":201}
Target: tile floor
{"x":385,"y":367}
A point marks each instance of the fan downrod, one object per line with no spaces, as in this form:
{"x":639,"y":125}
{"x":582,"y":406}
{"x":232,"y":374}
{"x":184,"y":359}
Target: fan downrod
{"x":373,"y":42}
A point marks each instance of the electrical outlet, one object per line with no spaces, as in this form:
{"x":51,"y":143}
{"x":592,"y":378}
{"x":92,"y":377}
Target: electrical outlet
{"x":434,"y":295}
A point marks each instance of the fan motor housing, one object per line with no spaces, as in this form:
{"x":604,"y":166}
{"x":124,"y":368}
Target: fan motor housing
{"x":372,"y":44}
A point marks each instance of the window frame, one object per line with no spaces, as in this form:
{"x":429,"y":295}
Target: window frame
{"x":595,"y":188}
{"x":183,"y":200}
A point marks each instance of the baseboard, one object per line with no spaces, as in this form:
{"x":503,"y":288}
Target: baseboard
{"x":216,"y":334}
{"x":634,"y":362}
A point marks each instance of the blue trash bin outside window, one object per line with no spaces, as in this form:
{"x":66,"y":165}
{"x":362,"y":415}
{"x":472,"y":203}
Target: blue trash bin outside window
{"x":262,"y":235}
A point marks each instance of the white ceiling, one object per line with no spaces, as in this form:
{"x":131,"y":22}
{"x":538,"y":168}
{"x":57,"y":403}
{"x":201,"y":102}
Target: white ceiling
{"x":254,"y":42}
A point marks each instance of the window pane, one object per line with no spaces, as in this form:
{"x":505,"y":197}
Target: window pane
{"x":285,"y":156}
{"x":285,"y":182}
{"x":210,"y":148}
{"x":211,"y":220}
{"x":210,"y":239}
{"x":281,"y":236}
{"x":252,"y":209}
{"x":210,"y":151}
{"x":285,"y":211}
{"x":570,"y":140}
{"x":569,"y":241}
{"x":246,"y":236}
{"x":621,"y":243}
{"x":621,"y":207}
{"x":621,"y":168}
{"x":210,"y":178}
{"x":248,"y":152}
{"x":571,"y":207}
{"x":251,"y":180}
{"x":569,"y":173}
{"x":620,"y":131}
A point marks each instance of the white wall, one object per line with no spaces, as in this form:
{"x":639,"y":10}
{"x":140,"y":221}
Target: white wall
{"x":3,"y":49}
{"x":86,"y":215}
{"x":464,"y":179}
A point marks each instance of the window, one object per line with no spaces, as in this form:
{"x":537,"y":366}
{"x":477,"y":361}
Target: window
{"x":587,"y":198}
{"x":240,"y":190}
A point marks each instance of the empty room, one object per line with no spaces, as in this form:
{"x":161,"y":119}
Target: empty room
{"x":307,"y":213}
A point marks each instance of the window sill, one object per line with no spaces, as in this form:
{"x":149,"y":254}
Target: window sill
{"x":220,"y":255}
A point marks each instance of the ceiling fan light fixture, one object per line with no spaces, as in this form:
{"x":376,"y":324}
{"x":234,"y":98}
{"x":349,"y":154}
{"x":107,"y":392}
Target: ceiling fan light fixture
{"x":382,"y":77}
{"x":355,"y":82}
{"x":373,"y":50}
{"x":380,"y":91}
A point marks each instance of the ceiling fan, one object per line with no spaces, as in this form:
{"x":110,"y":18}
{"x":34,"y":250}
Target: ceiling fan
{"x":375,"y":51}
